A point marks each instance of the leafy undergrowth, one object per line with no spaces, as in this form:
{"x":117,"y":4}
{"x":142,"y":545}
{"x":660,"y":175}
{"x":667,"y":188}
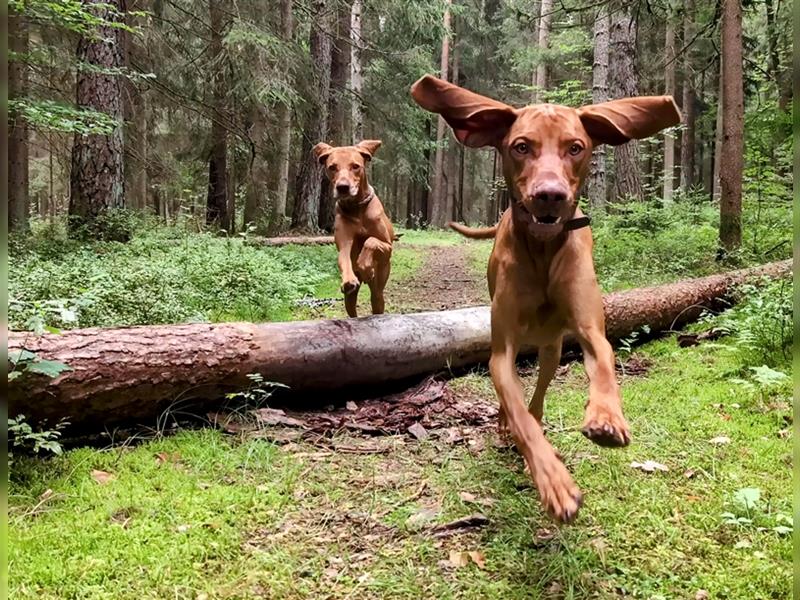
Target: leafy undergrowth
{"x":642,"y":244}
{"x":166,"y":275}
{"x":202,"y":514}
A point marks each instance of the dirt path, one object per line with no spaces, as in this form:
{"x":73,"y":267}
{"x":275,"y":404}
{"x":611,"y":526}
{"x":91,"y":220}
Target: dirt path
{"x":445,"y":280}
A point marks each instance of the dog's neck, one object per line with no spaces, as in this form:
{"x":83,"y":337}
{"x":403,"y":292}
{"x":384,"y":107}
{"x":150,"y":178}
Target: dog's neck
{"x":364,"y":197}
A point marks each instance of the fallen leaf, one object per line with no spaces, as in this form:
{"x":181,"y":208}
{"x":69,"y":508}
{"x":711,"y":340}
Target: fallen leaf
{"x":720,"y":440}
{"x":351,"y":405}
{"x":102,"y":477}
{"x":649,"y":466}
{"x":331,"y":573}
{"x":467,"y":497}
{"x":688,"y":473}
{"x":165,"y":457}
{"x":418,"y":431}
{"x":183,"y":528}
{"x":422,"y":517}
{"x":46,"y":494}
{"x":365,"y":578}
{"x":478,"y":558}
{"x":742,"y":544}
{"x":701,"y":595}
{"x":458,"y":559}
{"x":276,"y":416}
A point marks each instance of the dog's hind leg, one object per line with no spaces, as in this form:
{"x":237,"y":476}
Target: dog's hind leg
{"x":378,"y":284}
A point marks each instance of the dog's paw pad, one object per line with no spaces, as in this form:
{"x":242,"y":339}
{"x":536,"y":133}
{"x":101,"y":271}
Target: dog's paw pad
{"x":348,"y":287}
{"x":607,"y":435}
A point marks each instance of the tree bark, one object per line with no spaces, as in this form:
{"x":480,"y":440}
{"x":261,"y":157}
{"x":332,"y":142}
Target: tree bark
{"x":715,"y":189}
{"x":280,"y":181}
{"x":624,"y":84}
{"x":256,"y":205}
{"x":97,"y":180}
{"x":688,"y":136}
{"x":437,"y":206}
{"x":597,"y":174}
{"x":669,"y":89}
{"x":18,"y":199}
{"x":217,"y":200}
{"x":135,"y":373}
{"x":732,"y":149}
{"x":338,"y":108}
{"x":540,"y":77}
{"x":356,"y":78}
{"x":309,"y":179}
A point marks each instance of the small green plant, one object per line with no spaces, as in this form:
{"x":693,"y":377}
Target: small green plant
{"x":23,"y":362}
{"x":748,"y":510}
{"x":23,"y":437}
{"x":257,"y":392}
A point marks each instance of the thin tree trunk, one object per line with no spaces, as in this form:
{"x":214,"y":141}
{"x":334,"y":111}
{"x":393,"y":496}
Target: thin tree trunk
{"x":135,"y":110}
{"x":279,"y":184}
{"x":437,"y":207}
{"x":669,"y":89}
{"x":543,"y":38}
{"x":97,"y":179}
{"x":782,"y":78}
{"x":624,"y":84}
{"x":338,"y":109}
{"x":732,"y":150}
{"x":120,"y":375}
{"x":356,"y":78}
{"x":309,"y":178}
{"x":597,"y":174}
{"x":453,"y":147}
{"x":18,"y":200}
{"x":230,"y":225}
{"x":217,"y":201}
{"x":256,"y":205}
{"x":688,"y":141}
{"x":715,"y":189}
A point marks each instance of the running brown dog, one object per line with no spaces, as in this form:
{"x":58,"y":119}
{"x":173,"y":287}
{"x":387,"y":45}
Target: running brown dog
{"x":362,"y":231}
{"x":541,"y":273}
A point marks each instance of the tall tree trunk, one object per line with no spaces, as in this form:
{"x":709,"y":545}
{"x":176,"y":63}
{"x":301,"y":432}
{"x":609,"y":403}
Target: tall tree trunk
{"x":135,"y":111}
{"x":280,"y":181}
{"x":543,"y":38}
{"x":309,"y":179}
{"x":624,"y":84}
{"x":732,"y":150}
{"x":217,"y":200}
{"x":782,"y":78}
{"x":356,"y":78}
{"x":233,"y":182}
{"x":689,"y":84}
{"x":97,"y":180}
{"x":437,"y":207}
{"x":669,"y":89}
{"x":451,"y":170}
{"x":338,"y":108}
{"x":256,"y":209}
{"x":597,"y":174}
{"x":18,"y":200}
{"x":715,"y":190}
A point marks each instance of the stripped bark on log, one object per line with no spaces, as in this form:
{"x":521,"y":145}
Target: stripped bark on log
{"x":129,"y":374}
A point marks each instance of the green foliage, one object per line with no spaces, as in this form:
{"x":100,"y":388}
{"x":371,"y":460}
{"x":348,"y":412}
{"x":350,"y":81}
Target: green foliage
{"x":24,"y":439}
{"x":162,"y":275}
{"x":761,"y":323}
{"x":47,"y":115}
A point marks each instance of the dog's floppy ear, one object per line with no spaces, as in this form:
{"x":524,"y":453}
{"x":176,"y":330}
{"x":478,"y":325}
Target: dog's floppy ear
{"x":368,"y":148}
{"x":476,"y":120}
{"x":620,"y":121}
{"x":322,"y":151}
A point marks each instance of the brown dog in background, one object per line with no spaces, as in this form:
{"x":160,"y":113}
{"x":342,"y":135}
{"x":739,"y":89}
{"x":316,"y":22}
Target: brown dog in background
{"x":362,"y":231}
{"x":541,"y":273}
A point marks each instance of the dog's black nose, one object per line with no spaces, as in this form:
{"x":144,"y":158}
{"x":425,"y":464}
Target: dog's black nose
{"x":550,"y":195}
{"x":343,"y":189}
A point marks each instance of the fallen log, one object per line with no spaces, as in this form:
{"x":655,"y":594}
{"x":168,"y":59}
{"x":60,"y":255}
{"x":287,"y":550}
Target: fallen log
{"x":299,"y":240}
{"x":130,"y":374}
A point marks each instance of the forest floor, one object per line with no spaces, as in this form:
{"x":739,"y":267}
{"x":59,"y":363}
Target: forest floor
{"x":298,"y":510}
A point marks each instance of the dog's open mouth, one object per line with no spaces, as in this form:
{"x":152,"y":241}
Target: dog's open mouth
{"x":546,"y":219}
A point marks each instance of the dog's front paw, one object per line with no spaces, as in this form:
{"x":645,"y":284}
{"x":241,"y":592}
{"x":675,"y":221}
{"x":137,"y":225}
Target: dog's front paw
{"x":351,"y":286}
{"x":606,"y":427}
{"x":561,"y":497}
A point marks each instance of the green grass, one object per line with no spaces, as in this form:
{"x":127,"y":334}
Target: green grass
{"x":242,"y":518}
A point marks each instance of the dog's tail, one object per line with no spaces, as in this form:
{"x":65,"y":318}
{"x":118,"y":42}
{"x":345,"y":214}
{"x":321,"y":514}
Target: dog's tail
{"x":481,"y":233}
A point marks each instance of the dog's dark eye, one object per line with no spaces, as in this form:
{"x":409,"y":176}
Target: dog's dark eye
{"x":355,"y":167}
{"x":332,"y":168}
{"x":575,"y":149}
{"x":521,"y":148}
